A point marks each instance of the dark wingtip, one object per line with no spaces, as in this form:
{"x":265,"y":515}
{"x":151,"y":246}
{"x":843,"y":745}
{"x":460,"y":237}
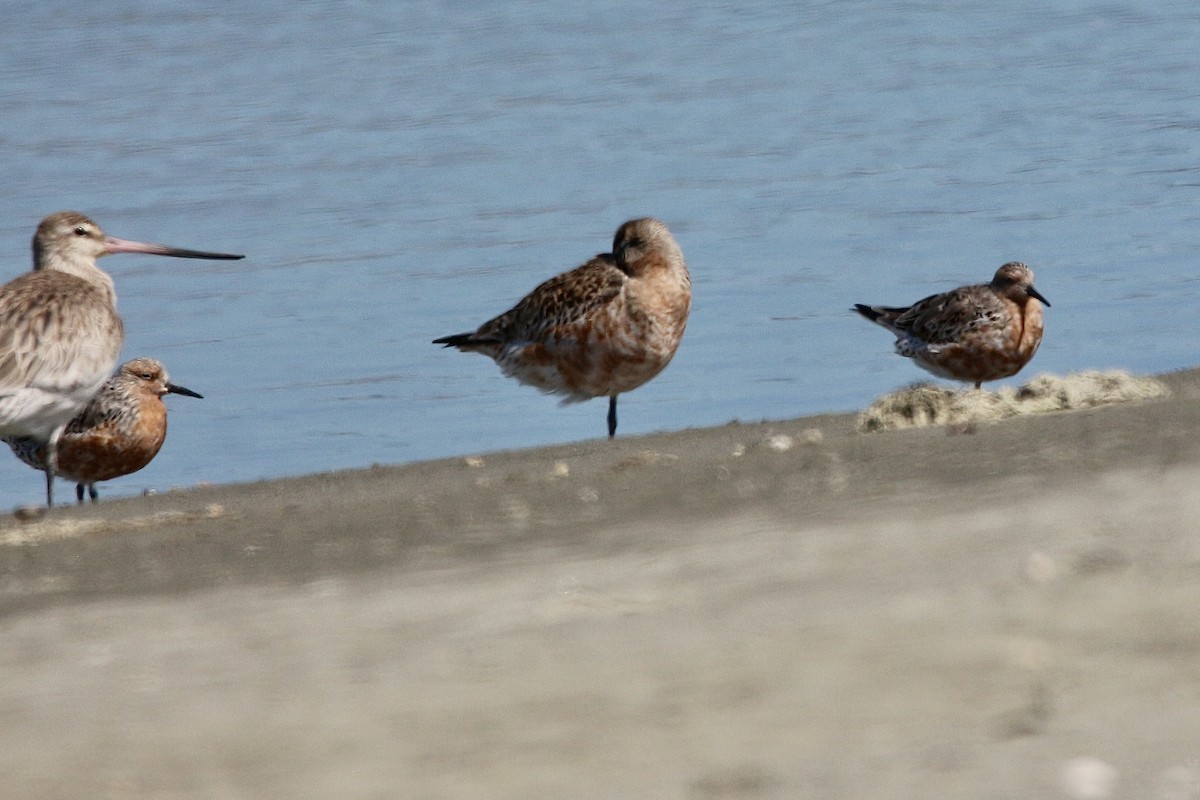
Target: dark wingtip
{"x":866,"y":311}
{"x":457,"y":340}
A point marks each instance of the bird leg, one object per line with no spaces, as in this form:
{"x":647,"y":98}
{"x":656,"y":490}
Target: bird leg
{"x":52,"y":464}
{"x":612,"y":416}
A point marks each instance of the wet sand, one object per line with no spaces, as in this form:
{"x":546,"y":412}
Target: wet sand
{"x":772,"y":610}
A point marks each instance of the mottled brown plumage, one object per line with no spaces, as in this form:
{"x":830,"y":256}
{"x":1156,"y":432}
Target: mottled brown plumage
{"x":120,"y":431}
{"x":60,"y":334}
{"x":973,"y":333}
{"x":599,"y":330}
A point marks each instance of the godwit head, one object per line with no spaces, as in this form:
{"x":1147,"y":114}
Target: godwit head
{"x":60,"y":334}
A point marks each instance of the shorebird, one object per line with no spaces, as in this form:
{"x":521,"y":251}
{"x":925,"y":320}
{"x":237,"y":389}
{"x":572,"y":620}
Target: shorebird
{"x":974,"y":333}
{"x":60,"y":334}
{"x":601,"y":329}
{"x":120,"y":431}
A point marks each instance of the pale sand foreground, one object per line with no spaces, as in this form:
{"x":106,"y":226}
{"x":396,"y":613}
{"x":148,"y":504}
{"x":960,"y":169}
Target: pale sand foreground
{"x":785,"y":610}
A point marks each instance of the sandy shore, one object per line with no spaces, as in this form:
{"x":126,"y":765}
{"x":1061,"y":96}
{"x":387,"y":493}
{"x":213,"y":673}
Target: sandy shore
{"x":775,"y":610}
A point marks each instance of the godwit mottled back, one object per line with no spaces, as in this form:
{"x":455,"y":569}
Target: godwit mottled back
{"x":601,"y":329}
{"x":974,"y":333}
{"x":60,"y":334}
{"x":120,"y":431}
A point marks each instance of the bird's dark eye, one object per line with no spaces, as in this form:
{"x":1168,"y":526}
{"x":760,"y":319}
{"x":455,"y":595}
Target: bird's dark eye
{"x":81,"y":231}
{"x":146,"y":376}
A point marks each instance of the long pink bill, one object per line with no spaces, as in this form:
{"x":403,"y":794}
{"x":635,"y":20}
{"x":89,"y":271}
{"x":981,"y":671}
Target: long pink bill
{"x":115,"y":245}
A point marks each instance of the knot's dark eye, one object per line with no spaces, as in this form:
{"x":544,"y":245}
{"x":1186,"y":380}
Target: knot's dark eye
{"x":81,"y":231}
{"x":146,"y":376}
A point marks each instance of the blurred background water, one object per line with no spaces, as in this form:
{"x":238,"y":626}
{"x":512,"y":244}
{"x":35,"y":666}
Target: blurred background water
{"x":400,"y":171}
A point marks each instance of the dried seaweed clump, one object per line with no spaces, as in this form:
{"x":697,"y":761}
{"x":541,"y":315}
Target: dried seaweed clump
{"x":925,"y":404}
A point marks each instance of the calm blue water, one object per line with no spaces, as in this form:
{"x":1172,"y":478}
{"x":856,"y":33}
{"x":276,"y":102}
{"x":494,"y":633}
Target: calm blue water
{"x":396,"y":172}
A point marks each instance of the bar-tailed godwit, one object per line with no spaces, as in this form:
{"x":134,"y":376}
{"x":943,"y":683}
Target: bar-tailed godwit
{"x":974,"y":333}
{"x":603,"y":328}
{"x":118,"y":433}
{"x":60,"y":334}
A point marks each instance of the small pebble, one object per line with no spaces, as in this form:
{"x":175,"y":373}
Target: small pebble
{"x":1040,"y":568}
{"x":29,"y":513}
{"x":781,"y":442}
{"x":1088,"y":778}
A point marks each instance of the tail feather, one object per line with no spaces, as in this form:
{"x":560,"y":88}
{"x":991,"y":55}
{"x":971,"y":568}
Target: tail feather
{"x":456,"y":340}
{"x":867,"y":311}
{"x":880,"y":315}
{"x":470,"y":341}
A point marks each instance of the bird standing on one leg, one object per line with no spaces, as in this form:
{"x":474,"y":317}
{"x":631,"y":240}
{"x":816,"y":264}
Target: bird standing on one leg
{"x":603,"y":328}
{"x":60,"y":334}
{"x":119,"y":432}
{"x":974,"y":333}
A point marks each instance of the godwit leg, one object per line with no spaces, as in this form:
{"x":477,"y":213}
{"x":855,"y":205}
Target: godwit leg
{"x":52,"y":465}
{"x":612,"y":416}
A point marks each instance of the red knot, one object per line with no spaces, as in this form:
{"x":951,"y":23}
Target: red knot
{"x":60,"y":334}
{"x":118,"y":433}
{"x":603,"y":328}
{"x":974,"y":333}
